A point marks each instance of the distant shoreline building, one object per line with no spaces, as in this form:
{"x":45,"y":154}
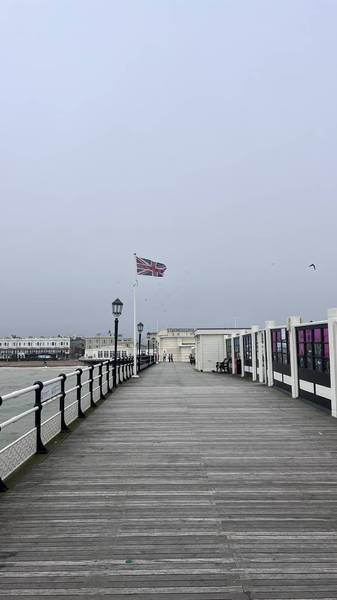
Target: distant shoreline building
{"x":34,"y":348}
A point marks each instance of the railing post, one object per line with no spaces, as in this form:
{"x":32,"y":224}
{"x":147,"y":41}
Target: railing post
{"x":91,"y":387}
{"x":100,"y":373}
{"x":107,"y":375}
{"x":64,"y":426}
{"x":80,"y":412}
{"x":40,"y":447}
{"x":119,"y":370}
{"x":3,"y":486}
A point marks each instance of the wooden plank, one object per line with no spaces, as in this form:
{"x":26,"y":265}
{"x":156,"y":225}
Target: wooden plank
{"x":180,"y":486}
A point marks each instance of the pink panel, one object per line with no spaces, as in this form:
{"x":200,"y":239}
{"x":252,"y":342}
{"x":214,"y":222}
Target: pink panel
{"x":308,"y":335}
{"x":317,"y":335}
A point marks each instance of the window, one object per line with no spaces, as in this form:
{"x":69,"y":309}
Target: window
{"x":100,"y":354}
{"x":247,"y":349}
{"x":313,"y":348}
{"x":280,"y":345}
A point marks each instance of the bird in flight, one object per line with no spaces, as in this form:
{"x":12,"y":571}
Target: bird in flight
{"x":313,"y":266}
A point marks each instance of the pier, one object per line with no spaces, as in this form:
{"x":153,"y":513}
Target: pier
{"x":181,"y":485}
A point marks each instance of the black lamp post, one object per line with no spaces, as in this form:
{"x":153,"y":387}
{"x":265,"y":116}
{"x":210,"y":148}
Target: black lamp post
{"x":153,"y":346}
{"x":117,"y":307}
{"x":140,"y":328}
{"x":148,"y":343}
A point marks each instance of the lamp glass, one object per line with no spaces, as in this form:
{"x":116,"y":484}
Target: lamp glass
{"x":117,"y":307}
{"x":140,"y":327}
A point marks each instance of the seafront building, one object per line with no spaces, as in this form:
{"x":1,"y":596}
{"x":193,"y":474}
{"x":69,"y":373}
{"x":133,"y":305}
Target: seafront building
{"x":33,"y":348}
{"x":103,"y":346}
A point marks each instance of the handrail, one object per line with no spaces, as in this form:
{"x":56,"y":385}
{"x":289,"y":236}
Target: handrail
{"x":123,"y":366}
{"x":17,"y":393}
{"x":17,"y":418}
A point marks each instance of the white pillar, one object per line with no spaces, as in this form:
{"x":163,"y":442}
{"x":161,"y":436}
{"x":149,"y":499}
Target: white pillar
{"x":260,"y":356}
{"x":241,"y":356}
{"x":293,"y":321}
{"x":270,"y":372}
{"x":332,"y":324}
{"x":233,"y":358}
{"x":255,"y":329}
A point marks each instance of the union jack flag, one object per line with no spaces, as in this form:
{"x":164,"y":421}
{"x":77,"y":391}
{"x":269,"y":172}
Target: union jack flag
{"x":145,"y":266}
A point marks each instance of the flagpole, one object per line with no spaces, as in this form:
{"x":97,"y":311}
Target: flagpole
{"x":135,"y":285}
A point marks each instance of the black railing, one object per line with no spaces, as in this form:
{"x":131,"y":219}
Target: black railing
{"x":73,"y":394}
{"x":144,"y":361}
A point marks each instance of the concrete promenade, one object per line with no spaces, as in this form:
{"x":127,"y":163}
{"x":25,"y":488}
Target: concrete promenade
{"x":181,"y":485}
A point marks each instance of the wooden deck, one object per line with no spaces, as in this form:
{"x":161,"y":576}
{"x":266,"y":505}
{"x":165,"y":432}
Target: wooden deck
{"x":180,"y":486}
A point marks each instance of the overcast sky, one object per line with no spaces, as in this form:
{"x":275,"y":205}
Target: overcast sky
{"x":198,"y":133}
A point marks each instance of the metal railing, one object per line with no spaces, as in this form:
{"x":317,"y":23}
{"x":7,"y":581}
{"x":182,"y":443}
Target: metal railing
{"x":56,"y":403}
{"x":144,"y":361}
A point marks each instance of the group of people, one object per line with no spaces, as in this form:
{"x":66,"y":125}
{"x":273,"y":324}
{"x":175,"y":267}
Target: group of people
{"x":169,"y":357}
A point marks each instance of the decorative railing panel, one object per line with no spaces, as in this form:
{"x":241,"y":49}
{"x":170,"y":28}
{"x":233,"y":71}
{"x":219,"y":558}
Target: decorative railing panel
{"x":17,"y":453}
{"x":51,"y":428}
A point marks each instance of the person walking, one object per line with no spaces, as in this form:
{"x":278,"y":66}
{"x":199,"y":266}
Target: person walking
{"x":164,"y":357}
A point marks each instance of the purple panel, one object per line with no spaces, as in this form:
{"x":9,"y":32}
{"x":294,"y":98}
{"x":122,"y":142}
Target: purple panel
{"x":301,"y":335}
{"x":273,"y":334}
{"x":317,"y":335}
{"x":301,"y":349}
{"x":278,"y":335}
{"x":326,"y":351}
{"x":326,"y":334}
{"x":308,"y":335}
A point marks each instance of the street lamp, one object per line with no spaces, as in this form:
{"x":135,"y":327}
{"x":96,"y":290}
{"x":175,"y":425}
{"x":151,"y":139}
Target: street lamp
{"x":117,"y":307}
{"x":148,"y":342}
{"x":153,"y":347}
{"x":140,"y":328}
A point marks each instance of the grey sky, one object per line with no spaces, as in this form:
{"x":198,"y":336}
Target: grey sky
{"x":200,"y":133}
